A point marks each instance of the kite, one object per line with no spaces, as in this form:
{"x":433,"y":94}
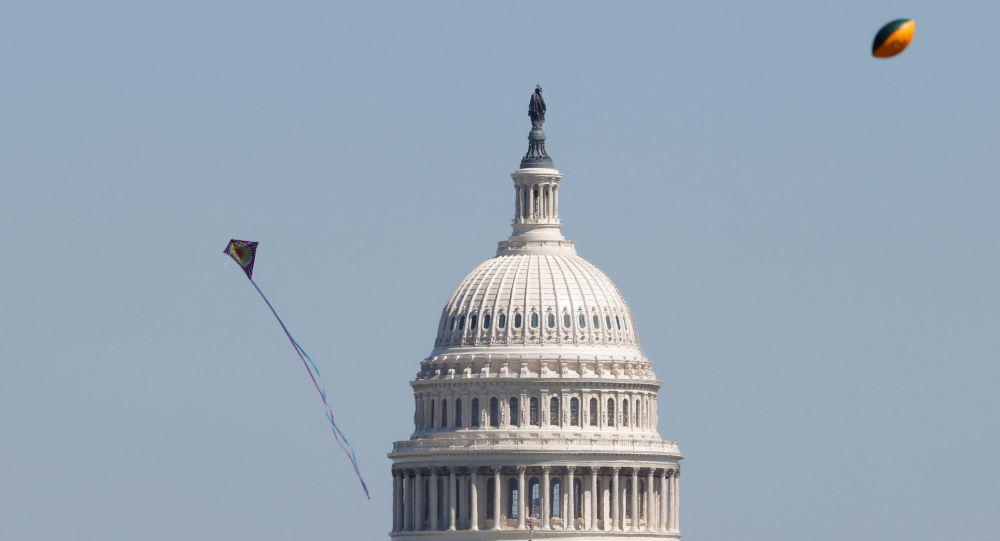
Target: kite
{"x":244,"y":253}
{"x":893,"y":38}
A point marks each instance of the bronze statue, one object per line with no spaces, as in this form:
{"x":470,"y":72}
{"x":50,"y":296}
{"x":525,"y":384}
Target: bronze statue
{"x":536,"y":108}
{"x":536,"y":155}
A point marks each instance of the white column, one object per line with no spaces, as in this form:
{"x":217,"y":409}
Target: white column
{"x":418,"y":502}
{"x":615,"y":497}
{"x":662,"y":515}
{"x":496,"y":498}
{"x":473,"y":500}
{"x":462,"y":503}
{"x":623,"y":508}
{"x":677,"y":500}
{"x":452,"y":498}
{"x":635,"y":499}
{"x":524,"y":405}
{"x":545,"y":510}
{"x":434,"y":500}
{"x":407,"y":501}
{"x":653,"y":523}
{"x":649,"y":500}
{"x":397,"y":500}
{"x":555,"y":198}
{"x":570,"y":518}
{"x":520,"y":498}
{"x":593,"y":498}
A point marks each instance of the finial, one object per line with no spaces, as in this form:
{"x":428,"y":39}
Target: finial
{"x":536,"y":155}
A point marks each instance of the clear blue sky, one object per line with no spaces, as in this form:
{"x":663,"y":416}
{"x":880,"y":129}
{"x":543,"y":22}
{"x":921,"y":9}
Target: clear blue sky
{"x":808,"y":238}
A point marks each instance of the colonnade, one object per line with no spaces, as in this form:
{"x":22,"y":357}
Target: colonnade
{"x":586,"y":498}
{"x":536,"y":202}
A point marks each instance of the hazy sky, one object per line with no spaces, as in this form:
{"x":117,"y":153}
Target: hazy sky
{"x":808,"y":238}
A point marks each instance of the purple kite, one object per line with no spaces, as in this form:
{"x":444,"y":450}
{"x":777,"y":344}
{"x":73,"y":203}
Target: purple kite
{"x":244,"y":253}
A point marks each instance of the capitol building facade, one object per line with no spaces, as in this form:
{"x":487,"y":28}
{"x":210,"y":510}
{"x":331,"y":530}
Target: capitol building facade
{"x":535,"y":415}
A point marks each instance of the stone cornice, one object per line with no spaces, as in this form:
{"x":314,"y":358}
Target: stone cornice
{"x":535,"y":366}
{"x":531,"y":445}
{"x":525,"y":385}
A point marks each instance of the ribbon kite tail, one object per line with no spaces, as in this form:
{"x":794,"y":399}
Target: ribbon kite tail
{"x":317,"y":381}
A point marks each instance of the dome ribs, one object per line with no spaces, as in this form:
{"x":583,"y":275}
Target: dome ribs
{"x":542,"y":285}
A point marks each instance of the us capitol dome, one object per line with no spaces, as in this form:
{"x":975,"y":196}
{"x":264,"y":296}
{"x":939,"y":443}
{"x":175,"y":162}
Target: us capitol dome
{"x":536,"y":409}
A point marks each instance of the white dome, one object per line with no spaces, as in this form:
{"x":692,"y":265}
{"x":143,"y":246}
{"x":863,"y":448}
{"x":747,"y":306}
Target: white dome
{"x":536,"y":298}
{"x":536,"y":377}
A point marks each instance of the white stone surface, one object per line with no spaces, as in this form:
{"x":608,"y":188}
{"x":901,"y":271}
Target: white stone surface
{"x":536,"y":374}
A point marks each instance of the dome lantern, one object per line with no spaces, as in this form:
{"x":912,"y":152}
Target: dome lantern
{"x":536,"y":195}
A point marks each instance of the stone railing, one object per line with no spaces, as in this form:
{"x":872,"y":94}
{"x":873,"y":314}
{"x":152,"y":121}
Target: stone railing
{"x":575,"y":445}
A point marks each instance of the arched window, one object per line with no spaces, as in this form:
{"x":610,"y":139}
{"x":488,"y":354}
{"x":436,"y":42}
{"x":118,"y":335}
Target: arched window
{"x":444,"y":412}
{"x":515,"y":414}
{"x":574,"y":411}
{"x":551,"y":320}
{"x":475,"y":412}
{"x":490,"y":490}
{"x":486,"y":321}
{"x":556,"y":495}
{"x":554,"y":411}
{"x":567,"y":321}
{"x":582,"y":320}
{"x":638,"y":414}
{"x":494,"y":412}
{"x":593,"y":412}
{"x":473,"y":320}
{"x":451,"y":323}
{"x":458,"y":413}
{"x":607,"y":320}
{"x":517,"y":320}
{"x":432,"y":414}
{"x":513,"y":497}
{"x":611,"y":412}
{"x":533,"y":410}
{"x":461,"y":322}
{"x":597,"y":321}
{"x":502,"y":321}
{"x":619,"y":322}
{"x":534,"y":320}
{"x":625,"y":323}
{"x":625,"y":412}
{"x":534,"y":498}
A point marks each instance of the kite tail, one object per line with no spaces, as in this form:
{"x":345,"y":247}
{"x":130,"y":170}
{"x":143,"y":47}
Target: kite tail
{"x":338,"y":434}
{"x":317,"y":380}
